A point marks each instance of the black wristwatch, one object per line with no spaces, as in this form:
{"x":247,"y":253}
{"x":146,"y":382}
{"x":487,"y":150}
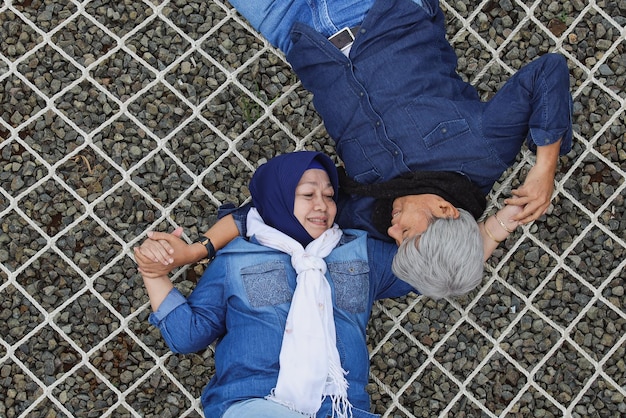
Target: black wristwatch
{"x":209,"y":248}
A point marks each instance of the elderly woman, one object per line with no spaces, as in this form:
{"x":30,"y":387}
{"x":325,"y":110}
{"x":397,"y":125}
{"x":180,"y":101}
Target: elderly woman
{"x":420,"y":149}
{"x":288,"y":307}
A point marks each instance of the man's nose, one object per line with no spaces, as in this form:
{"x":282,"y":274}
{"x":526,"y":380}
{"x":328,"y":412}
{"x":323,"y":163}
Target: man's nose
{"x":393,"y":230}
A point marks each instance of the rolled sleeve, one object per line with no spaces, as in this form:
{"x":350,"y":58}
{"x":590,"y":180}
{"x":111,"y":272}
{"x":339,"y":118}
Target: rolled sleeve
{"x":541,"y":137}
{"x":173,"y":300}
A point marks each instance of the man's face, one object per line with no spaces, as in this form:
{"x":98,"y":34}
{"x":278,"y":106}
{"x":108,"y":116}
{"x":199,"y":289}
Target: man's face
{"x":412,"y":214}
{"x":314,"y":206}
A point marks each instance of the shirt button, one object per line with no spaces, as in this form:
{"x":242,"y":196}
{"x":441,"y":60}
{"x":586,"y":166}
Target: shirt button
{"x":444,"y":130}
{"x":377,"y":123}
{"x":361,"y":94}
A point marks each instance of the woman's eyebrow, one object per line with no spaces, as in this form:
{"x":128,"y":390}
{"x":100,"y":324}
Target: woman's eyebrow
{"x":315,"y":183}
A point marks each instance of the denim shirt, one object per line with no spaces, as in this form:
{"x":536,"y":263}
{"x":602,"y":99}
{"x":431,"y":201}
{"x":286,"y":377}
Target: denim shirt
{"x":397,"y":105}
{"x":242,"y":301}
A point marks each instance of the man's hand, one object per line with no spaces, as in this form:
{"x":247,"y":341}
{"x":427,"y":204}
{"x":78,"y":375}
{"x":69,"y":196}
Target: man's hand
{"x":534,"y":195}
{"x":536,"y":192}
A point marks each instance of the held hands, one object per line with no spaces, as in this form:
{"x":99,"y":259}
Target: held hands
{"x":161,"y":252}
{"x":534,"y":195}
{"x":155,"y":274}
{"x":536,"y":192}
{"x":148,"y":268}
{"x":160,"y":246}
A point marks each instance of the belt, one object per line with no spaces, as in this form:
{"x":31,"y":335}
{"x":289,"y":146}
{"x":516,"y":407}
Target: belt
{"x":344,"y":37}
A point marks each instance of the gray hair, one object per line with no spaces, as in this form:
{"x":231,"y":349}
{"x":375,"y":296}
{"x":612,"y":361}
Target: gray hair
{"x":446,"y":260}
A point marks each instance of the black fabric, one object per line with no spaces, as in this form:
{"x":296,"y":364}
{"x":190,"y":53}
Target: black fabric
{"x":453,"y":187}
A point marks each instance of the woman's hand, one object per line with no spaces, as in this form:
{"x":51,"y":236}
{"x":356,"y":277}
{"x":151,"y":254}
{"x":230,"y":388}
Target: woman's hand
{"x":161,"y":252}
{"x":496,"y":228}
{"x":148,"y":268}
{"x":157,"y":248}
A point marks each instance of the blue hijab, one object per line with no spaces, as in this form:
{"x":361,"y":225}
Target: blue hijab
{"x":273,"y":189}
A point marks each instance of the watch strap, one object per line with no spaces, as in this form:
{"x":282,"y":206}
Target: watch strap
{"x":209,"y":247}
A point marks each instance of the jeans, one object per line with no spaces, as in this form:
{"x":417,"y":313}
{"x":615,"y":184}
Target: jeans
{"x":260,"y":408}
{"x":274,"y":19}
{"x":263,"y":408}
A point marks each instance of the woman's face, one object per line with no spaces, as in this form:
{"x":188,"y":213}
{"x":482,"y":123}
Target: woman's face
{"x":314,"y":206}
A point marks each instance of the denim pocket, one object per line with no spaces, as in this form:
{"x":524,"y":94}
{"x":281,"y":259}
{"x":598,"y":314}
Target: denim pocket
{"x":437,"y":120}
{"x":266,"y":284}
{"x":357,"y":161}
{"x":352,"y":285}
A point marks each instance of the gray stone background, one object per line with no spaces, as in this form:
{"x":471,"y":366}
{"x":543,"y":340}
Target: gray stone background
{"x":117,"y":117}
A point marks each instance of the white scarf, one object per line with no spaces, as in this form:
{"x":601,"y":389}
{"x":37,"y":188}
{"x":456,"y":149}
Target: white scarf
{"x":310,"y":368}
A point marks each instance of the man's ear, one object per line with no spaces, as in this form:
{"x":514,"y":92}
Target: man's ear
{"x":447,"y":210}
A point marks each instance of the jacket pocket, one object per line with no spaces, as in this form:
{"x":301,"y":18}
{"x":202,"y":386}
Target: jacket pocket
{"x":437,"y":120}
{"x":357,"y":161}
{"x":266,"y":284}
{"x":351,"y":281}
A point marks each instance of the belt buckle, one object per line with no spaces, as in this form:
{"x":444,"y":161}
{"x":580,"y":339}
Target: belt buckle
{"x":342,"y":38}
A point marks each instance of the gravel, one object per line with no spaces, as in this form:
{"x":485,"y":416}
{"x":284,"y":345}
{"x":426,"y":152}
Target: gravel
{"x":100,"y":143}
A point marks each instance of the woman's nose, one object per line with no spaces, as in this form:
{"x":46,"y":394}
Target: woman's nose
{"x":320,"y":203}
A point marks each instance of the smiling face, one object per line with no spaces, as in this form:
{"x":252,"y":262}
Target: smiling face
{"x":314,"y":206}
{"x":412,"y":214}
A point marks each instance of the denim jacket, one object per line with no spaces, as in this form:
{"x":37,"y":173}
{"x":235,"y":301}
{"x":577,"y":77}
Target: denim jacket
{"x":242,"y":301}
{"x":397,"y":105}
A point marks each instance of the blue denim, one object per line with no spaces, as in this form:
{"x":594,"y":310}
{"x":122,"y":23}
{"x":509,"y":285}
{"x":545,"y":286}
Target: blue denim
{"x":397,"y":105}
{"x":262,"y":408}
{"x":274,"y":19}
{"x":242,"y":301}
